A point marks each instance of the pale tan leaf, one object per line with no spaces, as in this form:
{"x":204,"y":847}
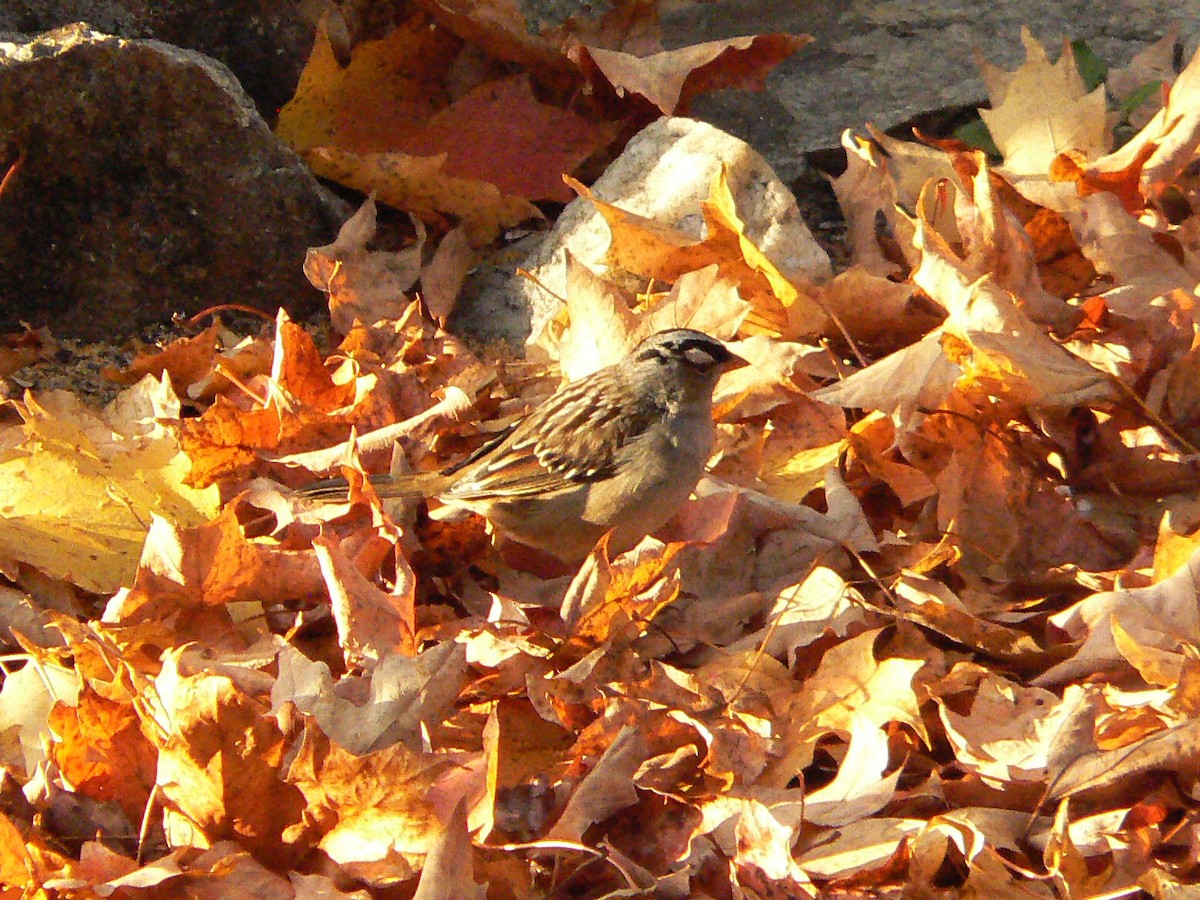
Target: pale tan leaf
{"x":606,"y":789}
{"x":1171,"y":750}
{"x":860,"y":787}
{"x":448,"y":869}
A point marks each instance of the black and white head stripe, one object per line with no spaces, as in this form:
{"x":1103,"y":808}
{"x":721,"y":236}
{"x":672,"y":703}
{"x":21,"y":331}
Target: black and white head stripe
{"x":695,"y":348}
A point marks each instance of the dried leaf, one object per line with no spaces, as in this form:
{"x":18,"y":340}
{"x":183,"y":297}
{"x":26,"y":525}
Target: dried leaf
{"x":671,"y":78}
{"x":81,"y":513}
{"x":363,"y":285}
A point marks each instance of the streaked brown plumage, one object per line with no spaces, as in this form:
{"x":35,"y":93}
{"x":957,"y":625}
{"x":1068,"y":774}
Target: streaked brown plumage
{"x":617,"y":450}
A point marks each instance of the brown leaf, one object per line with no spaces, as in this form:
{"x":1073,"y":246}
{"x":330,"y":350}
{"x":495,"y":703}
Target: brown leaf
{"x":804,"y":613}
{"x":372,"y":623}
{"x":1039,"y":111}
{"x":860,"y":787}
{"x":449,"y":870}
{"x":218,"y":766}
{"x":213,"y":565}
{"x":606,"y":789}
{"x":103,"y":752}
{"x":525,"y":754}
{"x":373,"y":815}
{"x":394,"y":702}
{"x":1161,"y":615}
{"x":27,"y":699}
{"x":16,"y":865}
{"x":1014,"y":733}
{"x":615,"y":600}
{"x":500,"y":134}
{"x":876,"y":312}
{"x":1173,"y":132}
{"x":602,"y":327}
{"x":871,"y":439}
{"x":851,"y":683}
{"x":1130,"y":252}
{"x":1172,"y":749}
{"x":1063,"y":268}
{"x":704,"y":300}
{"x":1007,"y":352}
{"x":509,"y":31}
{"x":919,"y":376}
{"x":1124,"y":183}
{"x":228,"y":439}
{"x":443,"y":277}
{"x":935,"y":606}
{"x":671,"y":79}
{"x":187,"y":359}
{"x":997,"y":246}
{"x":644,"y":247}
{"x":422,"y":186}
{"x":363,"y":285}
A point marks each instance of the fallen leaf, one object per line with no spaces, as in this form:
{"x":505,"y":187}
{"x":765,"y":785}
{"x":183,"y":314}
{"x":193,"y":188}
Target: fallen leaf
{"x":1148,"y":71}
{"x":1039,"y":111}
{"x":372,"y":623}
{"x":500,"y":134}
{"x":607,"y":788}
{"x":82,"y":512}
{"x":389,"y":122}
{"x":386,"y":705}
{"x":363,"y":285}
{"x":670,"y":79}
{"x":443,"y":277}
{"x":423,"y":186}
{"x":27,"y":698}
{"x":644,"y":247}
{"x":860,"y":787}
{"x":448,"y":869}
{"x":1161,"y":615}
{"x":219,"y":763}
{"x":119,"y":763}
{"x":1172,"y":749}
{"x":374,"y":815}
{"x":1014,"y":733}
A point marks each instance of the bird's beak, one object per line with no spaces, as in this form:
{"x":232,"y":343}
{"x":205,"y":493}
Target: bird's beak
{"x":734,"y":362}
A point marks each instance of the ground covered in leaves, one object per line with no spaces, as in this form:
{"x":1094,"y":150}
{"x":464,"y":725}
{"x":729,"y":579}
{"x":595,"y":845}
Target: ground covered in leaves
{"x":930,"y":624}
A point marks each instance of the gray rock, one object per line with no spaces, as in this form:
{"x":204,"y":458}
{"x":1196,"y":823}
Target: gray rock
{"x":664,"y":174}
{"x":889,"y":62}
{"x":149,"y":185}
{"x":265,"y":45}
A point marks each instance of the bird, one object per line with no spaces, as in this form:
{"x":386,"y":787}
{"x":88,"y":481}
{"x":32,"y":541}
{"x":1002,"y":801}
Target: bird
{"x":616,"y":451}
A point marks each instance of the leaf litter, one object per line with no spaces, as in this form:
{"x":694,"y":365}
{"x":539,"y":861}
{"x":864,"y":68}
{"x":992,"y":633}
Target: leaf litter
{"x":929,"y":624}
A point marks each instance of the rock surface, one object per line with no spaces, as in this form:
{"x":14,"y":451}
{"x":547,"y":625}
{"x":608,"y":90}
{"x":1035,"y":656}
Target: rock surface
{"x":888,"y":62}
{"x":148,"y":185}
{"x":263,"y":42}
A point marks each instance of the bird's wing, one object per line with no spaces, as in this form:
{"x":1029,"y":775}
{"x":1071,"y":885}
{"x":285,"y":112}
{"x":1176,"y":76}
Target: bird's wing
{"x":574,"y":438}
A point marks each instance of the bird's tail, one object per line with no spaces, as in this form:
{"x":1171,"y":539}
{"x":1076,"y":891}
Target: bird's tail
{"x":337,"y":490}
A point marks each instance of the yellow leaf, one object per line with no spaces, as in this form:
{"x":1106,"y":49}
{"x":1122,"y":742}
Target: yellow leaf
{"x":78,"y":495}
{"x":792,"y":477}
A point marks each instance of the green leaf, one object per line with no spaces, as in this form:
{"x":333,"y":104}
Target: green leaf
{"x":1091,"y":68}
{"x":975,"y":134}
{"x":1130,"y":104}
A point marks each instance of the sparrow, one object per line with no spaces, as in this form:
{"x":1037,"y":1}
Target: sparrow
{"x":615,"y":451}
